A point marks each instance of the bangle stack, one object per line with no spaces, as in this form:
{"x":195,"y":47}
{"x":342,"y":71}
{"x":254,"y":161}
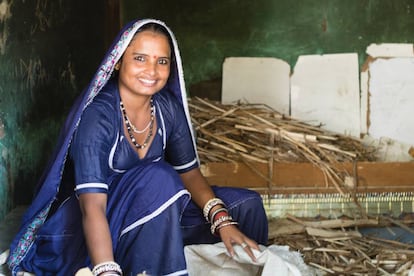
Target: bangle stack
{"x":220,"y":217}
{"x":209,"y":205}
{"x":107,"y":269}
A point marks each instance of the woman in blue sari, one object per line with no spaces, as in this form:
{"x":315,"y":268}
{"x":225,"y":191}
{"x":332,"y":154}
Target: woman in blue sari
{"x":123,"y":193}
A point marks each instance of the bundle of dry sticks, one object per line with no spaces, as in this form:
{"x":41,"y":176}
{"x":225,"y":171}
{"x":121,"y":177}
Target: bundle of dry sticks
{"x":251,"y":133}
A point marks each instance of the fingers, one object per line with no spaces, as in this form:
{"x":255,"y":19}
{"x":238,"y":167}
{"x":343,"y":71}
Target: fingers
{"x":230,"y":249}
{"x":252,"y":244}
{"x":246,"y":244}
{"x":248,"y":251}
{"x":231,"y":236}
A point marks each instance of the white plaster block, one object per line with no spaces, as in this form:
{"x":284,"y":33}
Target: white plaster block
{"x":257,"y":80}
{"x":325,"y":90}
{"x":391,"y":101}
{"x":390,"y":50}
{"x":364,"y":101}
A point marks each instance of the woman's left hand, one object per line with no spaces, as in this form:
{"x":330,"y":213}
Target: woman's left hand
{"x":231,"y":235}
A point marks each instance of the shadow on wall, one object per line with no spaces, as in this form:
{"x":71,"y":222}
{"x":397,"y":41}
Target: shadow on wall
{"x":210,"y":89}
{"x":43,"y":67}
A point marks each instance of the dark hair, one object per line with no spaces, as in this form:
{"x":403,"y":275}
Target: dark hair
{"x":157,"y":28}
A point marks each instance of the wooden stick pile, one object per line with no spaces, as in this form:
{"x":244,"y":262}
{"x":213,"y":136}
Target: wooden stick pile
{"x":256,"y":133}
{"x":252,"y":133}
{"x":334,"y":247}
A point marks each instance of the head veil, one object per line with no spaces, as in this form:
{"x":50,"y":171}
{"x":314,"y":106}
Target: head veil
{"x":50,"y":182}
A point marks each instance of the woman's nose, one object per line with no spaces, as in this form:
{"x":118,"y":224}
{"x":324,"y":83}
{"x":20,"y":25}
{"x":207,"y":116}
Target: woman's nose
{"x":151,"y":67}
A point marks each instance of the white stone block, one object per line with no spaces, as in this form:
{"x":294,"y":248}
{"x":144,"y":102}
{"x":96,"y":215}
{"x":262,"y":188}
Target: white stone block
{"x":257,"y":80}
{"x":391,"y":100}
{"x":325,"y":90}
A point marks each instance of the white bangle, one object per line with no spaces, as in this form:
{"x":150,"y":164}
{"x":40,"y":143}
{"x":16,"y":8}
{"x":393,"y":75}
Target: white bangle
{"x":210,"y":204}
{"x":106,"y":267}
{"x":218,"y":222}
{"x":224,"y":224}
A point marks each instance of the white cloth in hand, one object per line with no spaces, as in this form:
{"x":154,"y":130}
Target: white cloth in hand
{"x":213,"y":259}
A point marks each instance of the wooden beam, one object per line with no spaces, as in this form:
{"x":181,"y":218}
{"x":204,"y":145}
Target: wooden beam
{"x":293,"y":178}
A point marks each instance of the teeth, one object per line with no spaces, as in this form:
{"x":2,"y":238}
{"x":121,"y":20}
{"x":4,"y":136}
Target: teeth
{"x":147,"y":81}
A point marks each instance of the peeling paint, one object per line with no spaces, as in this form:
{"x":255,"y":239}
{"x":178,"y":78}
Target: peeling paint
{"x":5,"y":10}
{"x":5,"y":14}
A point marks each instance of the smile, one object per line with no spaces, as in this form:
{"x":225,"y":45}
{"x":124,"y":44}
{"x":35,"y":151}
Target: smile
{"x":148,"y":82}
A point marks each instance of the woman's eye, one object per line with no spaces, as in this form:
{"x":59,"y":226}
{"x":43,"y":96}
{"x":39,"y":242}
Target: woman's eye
{"x":140,"y":58}
{"x":163,"y":61}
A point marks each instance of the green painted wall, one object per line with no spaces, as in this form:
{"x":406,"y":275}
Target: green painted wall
{"x":48,"y":52}
{"x":209,"y":31}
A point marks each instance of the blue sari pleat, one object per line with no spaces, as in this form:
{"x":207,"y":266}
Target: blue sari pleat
{"x":144,"y":211}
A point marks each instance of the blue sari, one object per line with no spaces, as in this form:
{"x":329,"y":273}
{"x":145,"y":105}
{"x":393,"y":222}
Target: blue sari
{"x":150,"y":213}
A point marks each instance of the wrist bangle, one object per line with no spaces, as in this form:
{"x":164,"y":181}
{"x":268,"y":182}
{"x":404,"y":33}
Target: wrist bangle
{"x":216,"y":212}
{"x":219,"y":215}
{"x":218,"y":222}
{"x":106,"y":267}
{"x":224,"y":224}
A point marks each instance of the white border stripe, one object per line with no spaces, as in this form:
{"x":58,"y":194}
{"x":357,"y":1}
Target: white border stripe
{"x":178,"y":273}
{"x":164,"y":134}
{"x":91,"y":185}
{"x":111,"y":155}
{"x":155,"y":213}
{"x":182,"y":167}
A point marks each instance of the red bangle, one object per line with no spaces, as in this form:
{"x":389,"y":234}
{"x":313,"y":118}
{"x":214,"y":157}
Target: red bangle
{"x":219,"y":215}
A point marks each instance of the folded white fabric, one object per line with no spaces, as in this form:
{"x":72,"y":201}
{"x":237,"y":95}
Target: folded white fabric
{"x":213,"y":259}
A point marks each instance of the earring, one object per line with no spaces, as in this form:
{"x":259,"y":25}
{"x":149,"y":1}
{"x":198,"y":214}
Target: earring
{"x":117,"y":66}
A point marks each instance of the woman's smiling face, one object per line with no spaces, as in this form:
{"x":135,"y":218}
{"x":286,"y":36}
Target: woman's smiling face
{"x":145,"y":65}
